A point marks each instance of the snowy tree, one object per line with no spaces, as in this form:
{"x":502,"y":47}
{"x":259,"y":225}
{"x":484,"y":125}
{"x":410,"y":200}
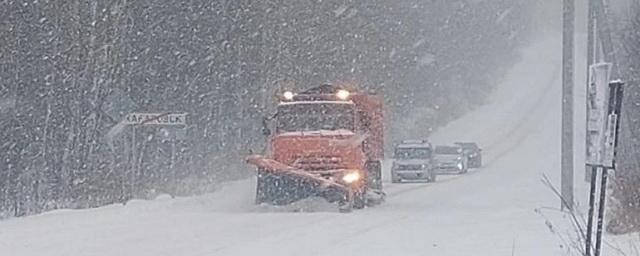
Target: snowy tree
{"x":626,"y":192}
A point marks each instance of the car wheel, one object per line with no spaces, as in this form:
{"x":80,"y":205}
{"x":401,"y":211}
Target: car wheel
{"x":394,"y":178}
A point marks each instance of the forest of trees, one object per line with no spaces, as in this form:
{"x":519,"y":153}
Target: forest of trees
{"x":626,"y":189}
{"x":70,"y":69}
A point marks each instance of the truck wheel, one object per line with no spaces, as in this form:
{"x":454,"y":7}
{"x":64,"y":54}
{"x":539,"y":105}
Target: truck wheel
{"x":360,"y":200}
{"x":345,"y":206}
{"x":261,"y":187}
{"x":374,"y":171}
{"x":394,"y":178}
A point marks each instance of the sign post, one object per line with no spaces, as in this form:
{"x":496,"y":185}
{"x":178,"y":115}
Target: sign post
{"x":604,"y":105}
{"x":116,"y":106}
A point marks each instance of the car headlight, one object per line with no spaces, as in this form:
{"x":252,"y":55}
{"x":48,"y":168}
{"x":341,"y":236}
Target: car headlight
{"x":424,"y":166}
{"x":460,"y":166}
{"x":288,"y":95}
{"x":351,"y":177}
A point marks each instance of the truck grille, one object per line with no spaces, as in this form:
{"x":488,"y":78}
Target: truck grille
{"x":319,"y":162}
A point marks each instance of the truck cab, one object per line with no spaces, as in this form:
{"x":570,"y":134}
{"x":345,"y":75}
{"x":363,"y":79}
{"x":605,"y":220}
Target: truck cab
{"x":413,"y":161}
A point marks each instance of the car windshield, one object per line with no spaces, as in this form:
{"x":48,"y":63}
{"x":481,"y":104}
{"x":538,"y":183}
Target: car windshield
{"x":313,"y":116}
{"x":441,"y":150}
{"x":471,"y":146}
{"x":412,"y":153}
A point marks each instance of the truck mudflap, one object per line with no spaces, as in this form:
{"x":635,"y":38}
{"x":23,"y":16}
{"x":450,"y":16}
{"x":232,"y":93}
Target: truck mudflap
{"x":280,"y":184}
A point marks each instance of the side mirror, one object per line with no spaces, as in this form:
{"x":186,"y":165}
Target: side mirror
{"x":265,"y":127}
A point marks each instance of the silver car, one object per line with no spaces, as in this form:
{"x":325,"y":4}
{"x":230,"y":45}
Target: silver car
{"x":413,"y":161}
{"x":450,"y":160}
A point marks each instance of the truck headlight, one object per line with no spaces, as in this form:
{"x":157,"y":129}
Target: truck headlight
{"x":343,"y":94}
{"x":351,"y":177}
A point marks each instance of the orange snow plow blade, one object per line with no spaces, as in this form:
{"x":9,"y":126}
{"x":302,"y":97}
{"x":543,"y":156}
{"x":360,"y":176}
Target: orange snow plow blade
{"x":281,"y":184}
{"x":275,"y":167}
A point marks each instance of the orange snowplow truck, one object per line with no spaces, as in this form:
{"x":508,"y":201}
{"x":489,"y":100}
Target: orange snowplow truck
{"x":326,"y":142}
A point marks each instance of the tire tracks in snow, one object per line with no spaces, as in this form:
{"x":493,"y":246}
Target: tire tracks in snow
{"x":519,"y":132}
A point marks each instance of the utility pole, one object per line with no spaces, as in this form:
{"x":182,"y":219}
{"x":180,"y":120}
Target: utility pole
{"x":591,"y":59}
{"x":591,"y":172}
{"x":567,"y":104}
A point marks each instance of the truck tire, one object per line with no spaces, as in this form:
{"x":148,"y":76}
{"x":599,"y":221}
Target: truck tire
{"x":395,"y":178}
{"x":374,"y":177}
{"x":261,"y":187}
{"x":360,"y":200}
{"x":345,"y":206}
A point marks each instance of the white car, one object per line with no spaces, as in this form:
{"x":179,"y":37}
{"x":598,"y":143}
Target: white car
{"x":413,"y":161}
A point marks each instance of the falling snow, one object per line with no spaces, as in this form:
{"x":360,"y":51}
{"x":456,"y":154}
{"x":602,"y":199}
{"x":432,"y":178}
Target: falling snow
{"x":72,"y":72}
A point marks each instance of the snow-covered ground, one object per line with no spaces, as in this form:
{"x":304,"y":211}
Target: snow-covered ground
{"x":490,"y":211}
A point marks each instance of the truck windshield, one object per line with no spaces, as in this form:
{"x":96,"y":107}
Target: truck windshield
{"x":315,"y":117}
{"x":412,"y":153}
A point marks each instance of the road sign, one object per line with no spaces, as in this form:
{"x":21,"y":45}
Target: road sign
{"x":597,"y":108}
{"x":613,"y":124}
{"x":609,"y":141}
{"x":156,"y":119}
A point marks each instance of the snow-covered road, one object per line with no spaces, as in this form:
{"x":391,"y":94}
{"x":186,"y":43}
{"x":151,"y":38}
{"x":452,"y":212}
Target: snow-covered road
{"x":490,"y":211}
